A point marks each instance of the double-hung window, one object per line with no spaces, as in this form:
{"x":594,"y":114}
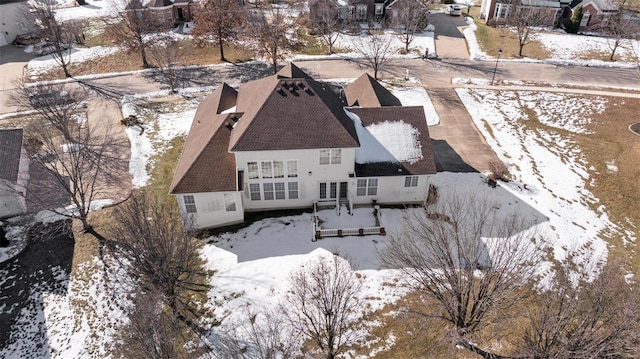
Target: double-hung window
{"x":411,"y":181}
{"x":189,"y":204}
{"x":367,"y":187}
{"x":292,"y":168}
{"x":280,"y":191}
{"x":252,"y":170}
{"x":268,"y":191}
{"x":331,"y":156}
{"x":293,"y":190}
{"x":254,"y":191}
{"x":278,"y":169}
{"x":229,"y":202}
{"x":267,"y":169}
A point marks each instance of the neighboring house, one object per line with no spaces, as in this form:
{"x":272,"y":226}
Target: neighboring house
{"x":593,"y":11}
{"x":14,"y":173}
{"x":11,"y":11}
{"x":361,"y":10}
{"x":287,"y":141}
{"x":398,"y":8}
{"x":499,"y":11}
{"x":165,"y":12}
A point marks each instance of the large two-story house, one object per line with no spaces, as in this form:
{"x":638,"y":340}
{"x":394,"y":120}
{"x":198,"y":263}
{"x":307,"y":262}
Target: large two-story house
{"x":287,"y":141}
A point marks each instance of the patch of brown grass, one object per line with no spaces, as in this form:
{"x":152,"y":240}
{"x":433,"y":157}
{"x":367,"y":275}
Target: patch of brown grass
{"x":132,"y":60}
{"x":419,"y":333}
{"x":619,"y":191}
{"x":491,"y":39}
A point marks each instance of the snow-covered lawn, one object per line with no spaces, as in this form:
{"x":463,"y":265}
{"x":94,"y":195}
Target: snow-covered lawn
{"x":70,"y":10}
{"x":162,"y":123}
{"x":571,"y":47}
{"x":532,"y":132}
{"x":46,"y":63}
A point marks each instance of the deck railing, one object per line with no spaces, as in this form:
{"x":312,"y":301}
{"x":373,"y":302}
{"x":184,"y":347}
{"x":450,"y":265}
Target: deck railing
{"x":320,"y":232}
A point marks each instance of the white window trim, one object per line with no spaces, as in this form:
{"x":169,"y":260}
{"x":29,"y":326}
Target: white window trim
{"x":252,"y":192}
{"x":291,"y":190}
{"x":370,"y":188}
{"x":189,"y":203}
{"x":230,"y":202}
{"x":411,"y":181}
{"x":332,"y":156}
{"x":256,"y":169}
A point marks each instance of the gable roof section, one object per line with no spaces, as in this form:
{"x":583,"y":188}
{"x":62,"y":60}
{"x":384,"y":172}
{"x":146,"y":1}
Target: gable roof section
{"x":290,"y":114}
{"x":223,"y":98}
{"x":413,"y":115}
{"x":292,"y":71}
{"x":365,"y":91}
{"x":206,"y":164}
{"x":10,"y":150}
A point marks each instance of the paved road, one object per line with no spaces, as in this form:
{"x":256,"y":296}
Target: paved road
{"x":450,"y":42}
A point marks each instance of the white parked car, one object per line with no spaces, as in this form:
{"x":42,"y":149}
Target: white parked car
{"x":453,"y":10}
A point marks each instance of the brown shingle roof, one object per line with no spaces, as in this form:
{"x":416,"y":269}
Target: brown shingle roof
{"x":206,"y":164}
{"x":413,"y":115}
{"x":293,"y":72}
{"x":290,"y":113}
{"x":365,"y":91}
{"x":223,"y":98}
{"x":10,"y":149}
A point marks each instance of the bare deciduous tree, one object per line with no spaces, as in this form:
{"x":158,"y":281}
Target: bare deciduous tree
{"x":82,"y":161}
{"x":264,"y":335}
{"x":581,"y":317}
{"x":323,"y":305}
{"x":158,"y":254}
{"x":442,"y":254}
{"x":325,"y":22}
{"x":152,"y":331}
{"x":59,"y":35}
{"x":408,"y":18}
{"x":526,"y":18}
{"x":166,"y":55}
{"x":131,"y":25}
{"x":619,"y":27}
{"x":272,"y":33}
{"x":220,"y":21}
{"x":376,"y":49}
